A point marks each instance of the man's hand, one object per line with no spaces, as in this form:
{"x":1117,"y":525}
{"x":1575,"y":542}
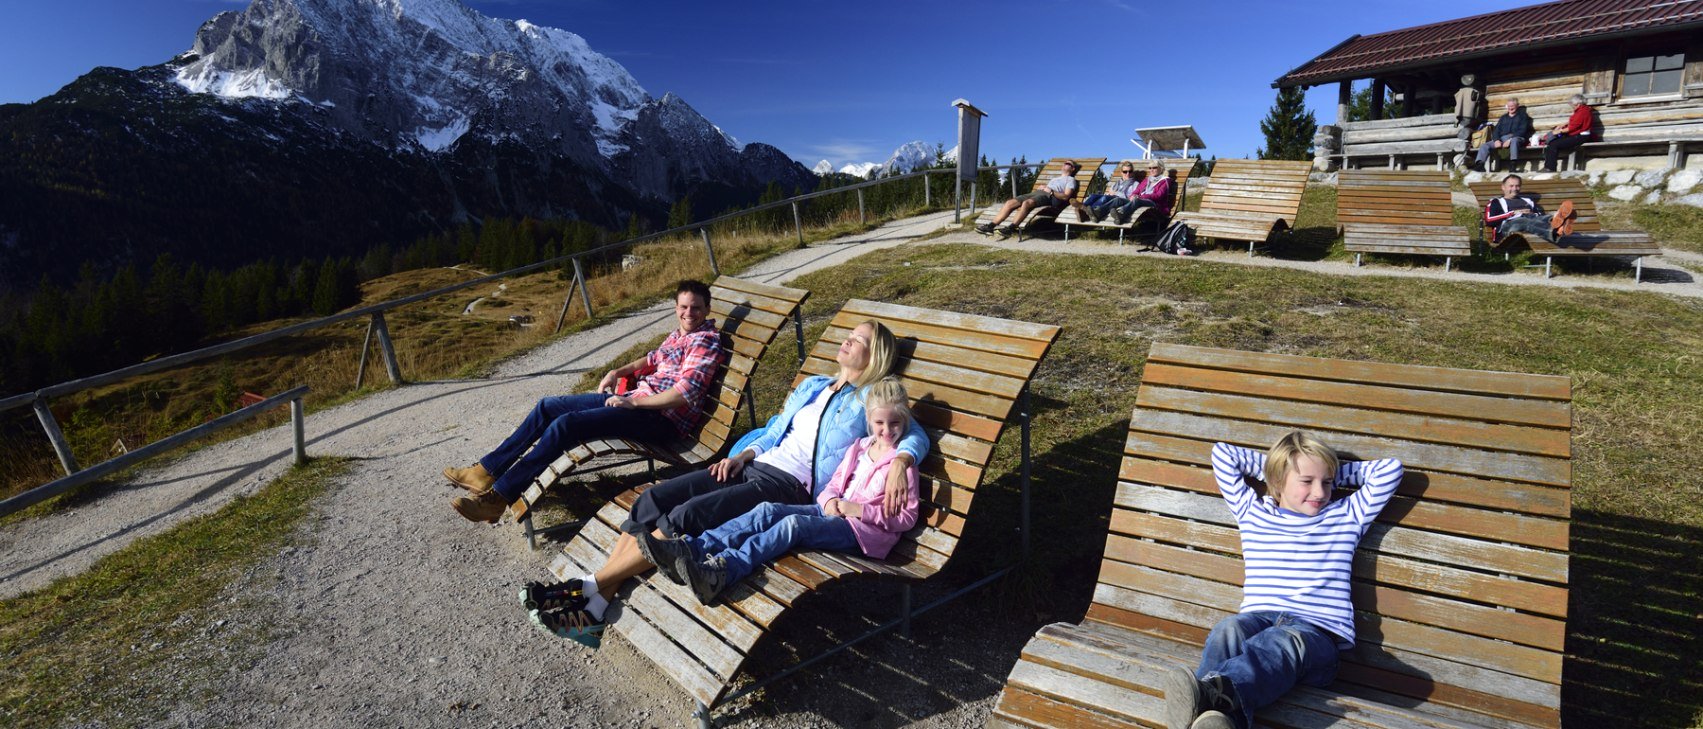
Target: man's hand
{"x":619,"y":401}
{"x":607,"y":384}
{"x":897,"y":485}
{"x":726,"y":470}
{"x":851,"y":509}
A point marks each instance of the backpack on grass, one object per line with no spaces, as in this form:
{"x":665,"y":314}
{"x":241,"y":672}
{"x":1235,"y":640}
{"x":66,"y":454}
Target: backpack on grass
{"x":1176,"y":240}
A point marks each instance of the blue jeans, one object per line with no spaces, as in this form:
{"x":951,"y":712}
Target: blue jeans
{"x":1536,"y":225}
{"x":1099,"y":198}
{"x":1264,"y":654}
{"x":559,"y":423}
{"x":769,"y":531}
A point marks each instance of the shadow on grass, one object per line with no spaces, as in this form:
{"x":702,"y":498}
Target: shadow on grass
{"x":1313,"y":243}
{"x":961,"y":652}
{"x":1633,"y":637}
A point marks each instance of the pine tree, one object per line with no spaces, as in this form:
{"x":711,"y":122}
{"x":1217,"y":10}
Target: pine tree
{"x":681,"y":213}
{"x":1288,"y":127}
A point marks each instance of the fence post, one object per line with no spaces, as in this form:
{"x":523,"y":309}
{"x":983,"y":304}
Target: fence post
{"x":296,"y":419}
{"x":1011,"y":175}
{"x":972,"y":198}
{"x":711,"y":251}
{"x":385,"y":346}
{"x":55,"y":436}
{"x":798,"y":224}
{"x":366,"y":346}
{"x":925,"y":192}
{"x":584,"y":287}
{"x":861,"y":220}
{"x":957,"y":199}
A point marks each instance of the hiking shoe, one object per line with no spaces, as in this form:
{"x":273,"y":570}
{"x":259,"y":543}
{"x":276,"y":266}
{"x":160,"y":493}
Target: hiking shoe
{"x":486,"y":506}
{"x":666,"y":554}
{"x":1007,"y":231}
{"x":473,"y":478}
{"x":708,"y":577}
{"x":568,"y":595}
{"x":1182,"y":698}
{"x":1100,"y":213}
{"x":1563,"y":220}
{"x":1214,"y":720}
{"x":984,"y":229}
{"x":575,"y":625}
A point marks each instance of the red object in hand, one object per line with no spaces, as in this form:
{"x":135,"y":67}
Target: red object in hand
{"x":622,"y":385}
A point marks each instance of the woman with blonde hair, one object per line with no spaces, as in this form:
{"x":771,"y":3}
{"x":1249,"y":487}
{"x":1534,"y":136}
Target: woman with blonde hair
{"x":789,"y":464}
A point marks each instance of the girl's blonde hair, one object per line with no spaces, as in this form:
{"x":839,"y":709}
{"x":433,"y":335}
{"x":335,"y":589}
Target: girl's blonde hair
{"x":883,"y":352}
{"x":1281,"y":458}
{"x":888,"y":392}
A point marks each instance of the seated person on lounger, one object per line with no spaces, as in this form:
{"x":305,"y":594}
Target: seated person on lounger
{"x":1516,"y":213}
{"x":667,"y":403}
{"x":1581,"y":127}
{"x":848,"y":516}
{"x":790,"y":464}
{"x":1152,"y":191}
{"x":1060,"y":191}
{"x":1511,"y":131}
{"x":1117,"y":190}
{"x":1297,"y":553}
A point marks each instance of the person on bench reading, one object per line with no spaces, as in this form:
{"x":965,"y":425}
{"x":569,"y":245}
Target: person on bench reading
{"x":848,"y":516}
{"x":1516,"y":213}
{"x":1511,"y":130}
{"x":667,"y":403}
{"x":1060,"y":191}
{"x":1581,"y":127}
{"x":1297,"y":554}
{"x":1152,"y":191}
{"x":790,"y":464}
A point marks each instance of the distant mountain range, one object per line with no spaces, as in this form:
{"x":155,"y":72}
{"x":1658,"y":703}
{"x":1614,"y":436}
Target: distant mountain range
{"x":909,"y":157}
{"x":307,"y":127}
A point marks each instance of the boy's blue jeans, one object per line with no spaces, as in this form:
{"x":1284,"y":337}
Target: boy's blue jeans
{"x":1264,"y":654}
{"x":559,"y":423}
{"x":769,"y":531}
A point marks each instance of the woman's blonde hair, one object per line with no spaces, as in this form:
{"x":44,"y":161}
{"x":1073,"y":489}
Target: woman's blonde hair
{"x":889,"y":392}
{"x":1157,"y":163}
{"x":883,"y":352}
{"x":1281,"y":459}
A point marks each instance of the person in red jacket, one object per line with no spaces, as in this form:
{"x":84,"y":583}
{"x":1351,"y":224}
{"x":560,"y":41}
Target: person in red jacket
{"x":1581,"y":127}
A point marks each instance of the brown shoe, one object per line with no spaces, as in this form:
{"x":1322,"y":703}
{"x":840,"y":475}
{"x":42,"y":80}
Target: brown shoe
{"x":1563,"y":220}
{"x":486,"y":506}
{"x":473,"y":478}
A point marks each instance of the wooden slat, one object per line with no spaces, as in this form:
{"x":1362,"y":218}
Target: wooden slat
{"x":966,"y":323}
{"x":1440,"y":379}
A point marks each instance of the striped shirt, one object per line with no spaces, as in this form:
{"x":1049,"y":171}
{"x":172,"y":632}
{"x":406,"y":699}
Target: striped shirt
{"x":1297,"y":563}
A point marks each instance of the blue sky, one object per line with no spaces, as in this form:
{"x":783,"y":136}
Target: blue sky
{"x":850,"y":81}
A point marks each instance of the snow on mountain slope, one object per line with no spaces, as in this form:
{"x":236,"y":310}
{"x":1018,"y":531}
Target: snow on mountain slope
{"x":823,"y":168}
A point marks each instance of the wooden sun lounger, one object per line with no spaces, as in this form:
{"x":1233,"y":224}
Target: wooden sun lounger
{"x":1588,"y":238}
{"x":965,"y":374}
{"x":1460,"y":586}
{"x":1399,"y":211}
{"x":749,"y":314}
{"x":1249,"y":200}
{"x":1178,"y":170}
{"x":1085,"y":169}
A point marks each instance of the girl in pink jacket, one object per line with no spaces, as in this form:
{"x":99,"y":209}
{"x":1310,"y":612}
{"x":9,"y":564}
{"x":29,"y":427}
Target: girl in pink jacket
{"x":850,"y":515}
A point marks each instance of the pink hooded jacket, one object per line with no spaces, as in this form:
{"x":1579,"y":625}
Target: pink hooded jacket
{"x":876,"y":532}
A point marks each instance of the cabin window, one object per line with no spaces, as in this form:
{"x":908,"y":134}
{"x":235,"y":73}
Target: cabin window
{"x":1654,"y":75}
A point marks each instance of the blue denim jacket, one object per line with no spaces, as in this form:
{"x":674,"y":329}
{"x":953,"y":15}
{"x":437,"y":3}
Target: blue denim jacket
{"x":842,"y":422}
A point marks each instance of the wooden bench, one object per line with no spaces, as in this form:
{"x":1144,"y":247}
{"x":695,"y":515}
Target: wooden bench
{"x":1249,"y":200}
{"x":1085,"y":169}
{"x":965,"y":374}
{"x":1460,"y":587}
{"x":1432,"y":135}
{"x":1177,"y":169}
{"x":749,"y":314}
{"x":1407,"y":212}
{"x":1588,"y":238}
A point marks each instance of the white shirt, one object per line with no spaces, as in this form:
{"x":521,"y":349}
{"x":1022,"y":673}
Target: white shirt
{"x":793,"y":454}
{"x":1064,"y":184}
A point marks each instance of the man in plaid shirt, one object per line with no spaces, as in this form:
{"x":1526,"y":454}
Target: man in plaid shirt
{"x":668,"y":402}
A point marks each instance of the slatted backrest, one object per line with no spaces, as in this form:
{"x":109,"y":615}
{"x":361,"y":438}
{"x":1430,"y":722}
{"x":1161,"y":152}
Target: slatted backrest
{"x":749,"y":314}
{"x":963,"y":374}
{"x":1460,"y":586}
{"x":1177,"y":169}
{"x":1085,"y":168}
{"x":1548,"y":194}
{"x":1394,"y":197}
{"x":1266,"y":187}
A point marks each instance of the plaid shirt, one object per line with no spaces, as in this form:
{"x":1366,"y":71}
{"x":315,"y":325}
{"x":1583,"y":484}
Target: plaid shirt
{"x":687,"y":363}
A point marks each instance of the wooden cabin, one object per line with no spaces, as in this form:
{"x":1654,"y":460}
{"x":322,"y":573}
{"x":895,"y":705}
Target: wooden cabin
{"x":1638,"y":63}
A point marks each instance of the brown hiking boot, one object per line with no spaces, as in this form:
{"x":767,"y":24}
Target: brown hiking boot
{"x":1563,"y":220}
{"x":473,"y":478}
{"x":486,"y":506}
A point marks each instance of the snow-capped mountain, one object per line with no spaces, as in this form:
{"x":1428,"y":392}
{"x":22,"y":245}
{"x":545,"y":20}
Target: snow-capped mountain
{"x":823,"y":168}
{"x":861,"y":169}
{"x":909,"y":157}
{"x":426,"y":73}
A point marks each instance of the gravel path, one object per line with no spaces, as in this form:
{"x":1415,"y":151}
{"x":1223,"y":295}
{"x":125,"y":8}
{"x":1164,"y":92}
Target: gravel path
{"x":396,"y":612}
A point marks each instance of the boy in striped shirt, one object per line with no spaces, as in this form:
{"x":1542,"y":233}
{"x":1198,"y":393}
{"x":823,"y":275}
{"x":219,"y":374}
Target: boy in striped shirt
{"x":1298,"y":553}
